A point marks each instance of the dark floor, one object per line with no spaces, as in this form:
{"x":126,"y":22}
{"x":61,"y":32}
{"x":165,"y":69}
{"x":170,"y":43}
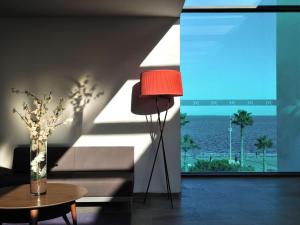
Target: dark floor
{"x":234,"y":201}
{"x":209,"y":201}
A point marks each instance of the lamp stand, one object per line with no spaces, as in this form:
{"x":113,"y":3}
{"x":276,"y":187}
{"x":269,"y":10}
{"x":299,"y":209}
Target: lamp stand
{"x":161,"y":141}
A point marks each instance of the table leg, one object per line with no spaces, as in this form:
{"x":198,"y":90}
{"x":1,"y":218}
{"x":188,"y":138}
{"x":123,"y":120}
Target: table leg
{"x":65,"y":219}
{"x":73,"y":213}
{"x":34,"y":216}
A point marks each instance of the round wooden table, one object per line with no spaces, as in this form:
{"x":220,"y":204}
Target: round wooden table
{"x":17,"y":205}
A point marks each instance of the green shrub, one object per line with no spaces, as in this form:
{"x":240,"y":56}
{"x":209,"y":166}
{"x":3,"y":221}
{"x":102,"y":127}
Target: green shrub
{"x":247,"y":169}
{"x":200,"y":165}
{"x":217,"y":166}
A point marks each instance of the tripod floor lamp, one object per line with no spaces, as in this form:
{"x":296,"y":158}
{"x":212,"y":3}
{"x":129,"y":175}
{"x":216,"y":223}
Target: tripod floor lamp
{"x":161,"y":84}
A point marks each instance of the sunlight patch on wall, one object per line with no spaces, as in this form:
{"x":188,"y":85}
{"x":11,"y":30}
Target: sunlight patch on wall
{"x":118,"y":110}
{"x":167,"y":51}
{"x":5,"y":155}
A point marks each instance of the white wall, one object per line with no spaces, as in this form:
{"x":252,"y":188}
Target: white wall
{"x":42,"y":54}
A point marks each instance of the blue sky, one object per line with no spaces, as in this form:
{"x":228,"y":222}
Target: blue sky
{"x":228,"y":56}
{"x":239,"y":2}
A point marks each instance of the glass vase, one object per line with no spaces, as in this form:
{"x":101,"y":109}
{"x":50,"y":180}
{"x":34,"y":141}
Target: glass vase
{"x":38,"y":167}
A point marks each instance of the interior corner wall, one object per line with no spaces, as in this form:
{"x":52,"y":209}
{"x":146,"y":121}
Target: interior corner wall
{"x":48,"y":53}
{"x":288,"y":91}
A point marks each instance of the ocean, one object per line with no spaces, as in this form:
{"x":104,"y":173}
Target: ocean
{"x":212,"y":136}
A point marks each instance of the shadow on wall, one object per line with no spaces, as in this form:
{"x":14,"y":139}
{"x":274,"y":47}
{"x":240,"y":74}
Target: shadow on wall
{"x":52,"y":49}
{"x":147,"y":105}
{"x":83,"y":92}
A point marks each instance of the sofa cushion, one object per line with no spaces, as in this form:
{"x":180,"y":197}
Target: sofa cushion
{"x":61,"y":159}
{"x":78,"y":159}
{"x":104,"y":158}
{"x":102,"y":184}
{"x":62,"y":156}
{"x":5,"y":171}
{"x":13,"y":179}
{"x":104,"y":171}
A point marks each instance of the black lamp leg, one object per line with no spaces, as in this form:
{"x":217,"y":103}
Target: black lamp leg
{"x":161,"y":128}
{"x":163,"y":148}
{"x":156,"y":153}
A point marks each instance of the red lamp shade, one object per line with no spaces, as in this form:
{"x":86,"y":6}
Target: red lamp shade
{"x":161,"y":82}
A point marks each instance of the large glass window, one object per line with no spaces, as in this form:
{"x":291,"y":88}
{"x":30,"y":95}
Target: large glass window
{"x":233,"y":3}
{"x":228,"y":111}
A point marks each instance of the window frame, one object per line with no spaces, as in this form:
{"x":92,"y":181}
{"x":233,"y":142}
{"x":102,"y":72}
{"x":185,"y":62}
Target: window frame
{"x":230,"y":9}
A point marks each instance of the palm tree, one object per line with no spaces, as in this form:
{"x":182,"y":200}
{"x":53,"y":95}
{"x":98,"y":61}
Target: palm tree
{"x":242,"y":118}
{"x":183,"y":119}
{"x":187,"y":143}
{"x":262,"y":144}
